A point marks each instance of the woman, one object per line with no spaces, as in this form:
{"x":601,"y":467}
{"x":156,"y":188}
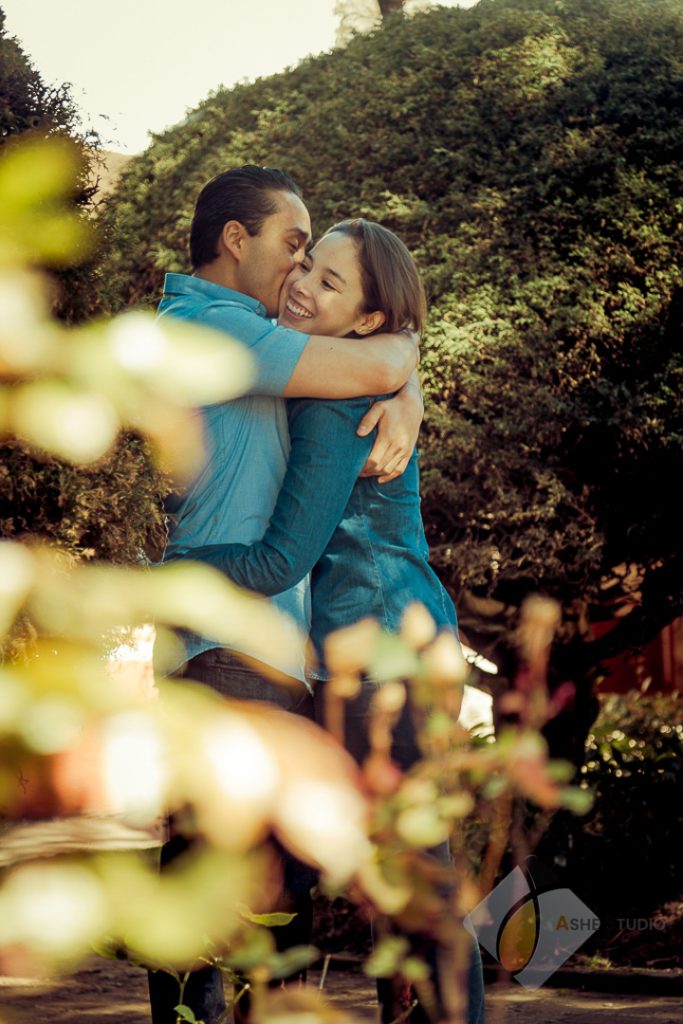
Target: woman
{"x":362,"y":541}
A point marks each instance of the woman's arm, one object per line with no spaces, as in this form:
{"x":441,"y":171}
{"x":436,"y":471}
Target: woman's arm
{"x":324,"y":463}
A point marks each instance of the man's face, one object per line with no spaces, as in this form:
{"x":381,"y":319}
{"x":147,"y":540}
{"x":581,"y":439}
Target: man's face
{"x":270,"y":256}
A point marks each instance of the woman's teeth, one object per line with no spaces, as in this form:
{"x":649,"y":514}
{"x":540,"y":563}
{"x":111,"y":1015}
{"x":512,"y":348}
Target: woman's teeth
{"x":293,"y":307}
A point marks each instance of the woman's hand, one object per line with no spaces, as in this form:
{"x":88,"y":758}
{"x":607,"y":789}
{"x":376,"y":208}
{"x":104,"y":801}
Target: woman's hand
{"x":398,"y":422}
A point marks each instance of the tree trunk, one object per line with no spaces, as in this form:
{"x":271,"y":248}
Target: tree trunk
{"x":388,"y":7}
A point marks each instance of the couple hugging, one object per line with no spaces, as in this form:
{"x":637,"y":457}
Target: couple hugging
{"x":313,"y":501}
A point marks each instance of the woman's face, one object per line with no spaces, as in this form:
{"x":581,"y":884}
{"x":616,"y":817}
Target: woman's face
{"x":324,"y":294}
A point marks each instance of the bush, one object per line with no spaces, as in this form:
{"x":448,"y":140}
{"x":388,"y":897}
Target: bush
{"x":26,"y":102}
{"x":622,"y":858}
{"x":634,"y":766}
{"x":529,"y":154}
{"x":28,"y":105}
{"x":111,"y":509}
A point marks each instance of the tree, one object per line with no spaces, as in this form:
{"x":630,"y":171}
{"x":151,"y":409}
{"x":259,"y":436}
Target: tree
{"x":26,"y":103}
{"x":111,"y":509}
{"x":355,"y":16}
{"x":529,"y":156}
{"x":387,"y":7}
{"x":72,"y":743}
{"x":366,"y":15}
{"x":69,"y":724}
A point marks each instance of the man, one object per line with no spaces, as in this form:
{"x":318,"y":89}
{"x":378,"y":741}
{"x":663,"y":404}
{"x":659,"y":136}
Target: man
{"x":250,"y":229}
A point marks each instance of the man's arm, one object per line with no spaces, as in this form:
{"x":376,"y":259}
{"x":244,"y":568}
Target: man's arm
{"x":398,"y":421}
{"x":350,"y":368}
{"x":295,"y":365}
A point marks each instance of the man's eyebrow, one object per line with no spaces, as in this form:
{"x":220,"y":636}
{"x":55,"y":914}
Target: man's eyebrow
{"x":302,"y":235}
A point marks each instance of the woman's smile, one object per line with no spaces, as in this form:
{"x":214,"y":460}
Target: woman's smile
{"x":324,"y":294}
{"x":294,"y":308}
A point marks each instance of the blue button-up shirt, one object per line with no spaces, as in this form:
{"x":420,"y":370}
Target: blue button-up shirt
{"x":234,"y":492}
{"x":364,"y":541}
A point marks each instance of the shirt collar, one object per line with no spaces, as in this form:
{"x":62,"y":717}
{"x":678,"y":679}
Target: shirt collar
{"x":184,"y":284}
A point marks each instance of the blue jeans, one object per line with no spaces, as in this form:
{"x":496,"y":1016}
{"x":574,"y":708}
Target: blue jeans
{"x":224,"y":672}
{"x":405,"y":752}
{"x":231,"y":677}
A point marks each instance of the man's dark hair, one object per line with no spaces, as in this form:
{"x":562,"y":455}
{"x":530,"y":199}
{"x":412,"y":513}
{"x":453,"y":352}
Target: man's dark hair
{"x":244,"y":194}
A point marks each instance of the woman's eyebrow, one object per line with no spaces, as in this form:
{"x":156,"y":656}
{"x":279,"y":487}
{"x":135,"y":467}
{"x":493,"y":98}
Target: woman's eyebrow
{"x":334,"y":273}
{"x":326,"y":270}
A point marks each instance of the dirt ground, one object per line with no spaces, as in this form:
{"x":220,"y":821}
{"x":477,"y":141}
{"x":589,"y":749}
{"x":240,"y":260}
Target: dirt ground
{"x":115,"y":992}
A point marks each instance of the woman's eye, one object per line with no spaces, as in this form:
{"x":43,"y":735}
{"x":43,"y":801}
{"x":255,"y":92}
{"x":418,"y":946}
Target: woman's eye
{"x":328,"y":285}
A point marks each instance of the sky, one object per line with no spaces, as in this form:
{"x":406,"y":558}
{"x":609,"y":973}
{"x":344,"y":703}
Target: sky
{"x":139,"y":65}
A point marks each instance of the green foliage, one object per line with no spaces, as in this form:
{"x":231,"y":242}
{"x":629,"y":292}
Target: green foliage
{"x":186,"y":1013}
{"x":528,"y":152}
{"x":623,"y":856}
{"x":114,"y":510}
{"x":634,"y":766}
{"x":67,"y":725}
{"x":386,"y":957}
{"x":27,"y":104}
{"x":111,"y":510}
{"x":75,"y":744}
{"x":636,"y":736}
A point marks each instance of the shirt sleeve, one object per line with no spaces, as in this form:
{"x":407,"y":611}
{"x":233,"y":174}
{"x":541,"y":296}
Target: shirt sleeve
{"x":325,"y":460}
{"x":276,"y":350}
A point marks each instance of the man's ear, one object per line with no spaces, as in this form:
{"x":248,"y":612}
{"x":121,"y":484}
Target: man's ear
{"x":232,"y":238}
{"x":370,"y":322}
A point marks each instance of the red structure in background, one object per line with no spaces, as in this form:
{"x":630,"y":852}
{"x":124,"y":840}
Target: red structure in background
{"x":657,"y":668}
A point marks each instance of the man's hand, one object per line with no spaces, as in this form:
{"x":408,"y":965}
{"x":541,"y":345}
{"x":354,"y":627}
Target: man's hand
{"x":398,"y":422}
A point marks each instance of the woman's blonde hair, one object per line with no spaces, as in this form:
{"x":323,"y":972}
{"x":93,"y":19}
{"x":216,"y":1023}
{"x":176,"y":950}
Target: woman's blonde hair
{"x":389,"y":277}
